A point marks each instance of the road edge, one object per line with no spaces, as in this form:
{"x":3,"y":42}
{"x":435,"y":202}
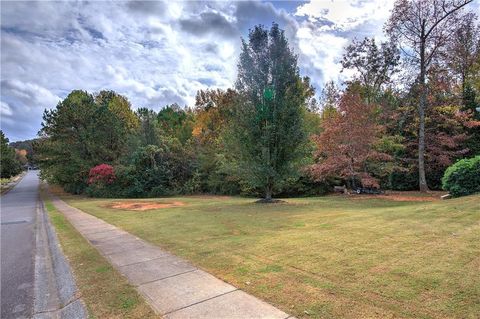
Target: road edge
{"x":12,"y":185}
{"x":55,"y":290}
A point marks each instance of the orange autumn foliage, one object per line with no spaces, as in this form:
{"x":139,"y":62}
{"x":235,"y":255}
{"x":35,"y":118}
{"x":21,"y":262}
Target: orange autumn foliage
{"x":347,"y":142}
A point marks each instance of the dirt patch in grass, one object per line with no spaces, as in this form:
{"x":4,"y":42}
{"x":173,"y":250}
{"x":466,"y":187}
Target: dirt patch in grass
{"x":143,"y":206}
{"x":327,"y":257}
{"x":106,"y":292}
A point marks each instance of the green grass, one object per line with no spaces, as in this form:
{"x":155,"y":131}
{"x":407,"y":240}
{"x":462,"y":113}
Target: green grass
{"x":105,"y":292}
{"x":4,"y":181}
{"x":326,"y":257}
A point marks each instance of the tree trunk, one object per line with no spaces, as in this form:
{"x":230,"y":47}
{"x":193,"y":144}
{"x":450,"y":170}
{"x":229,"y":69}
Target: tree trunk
{"x":422,"y":181}
{"x":268,"y":193}
{"x":352,"y":181}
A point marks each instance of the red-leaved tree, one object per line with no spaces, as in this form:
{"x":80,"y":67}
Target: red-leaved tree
{"x":347,"y":142}
{"x":103,"y":173}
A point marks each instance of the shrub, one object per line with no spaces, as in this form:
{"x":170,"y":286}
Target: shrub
{"x":463,"y":177}
{"x":101,"y":174}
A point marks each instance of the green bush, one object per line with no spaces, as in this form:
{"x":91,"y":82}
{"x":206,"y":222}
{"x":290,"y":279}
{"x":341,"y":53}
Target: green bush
{"x":463,"y":177}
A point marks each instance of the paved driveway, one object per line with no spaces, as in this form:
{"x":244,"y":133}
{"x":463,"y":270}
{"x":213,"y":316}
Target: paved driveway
{"x":17,"y":214}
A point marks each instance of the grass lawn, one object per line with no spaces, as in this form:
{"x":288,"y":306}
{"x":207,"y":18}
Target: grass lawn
{"x":105,"y":292}
{"x":325,"y":257}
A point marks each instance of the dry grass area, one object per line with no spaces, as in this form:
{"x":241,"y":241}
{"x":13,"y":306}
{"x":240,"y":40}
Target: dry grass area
{"x":404,"y":196}
{"x":326,"y":257}
{"x":105,"y":292}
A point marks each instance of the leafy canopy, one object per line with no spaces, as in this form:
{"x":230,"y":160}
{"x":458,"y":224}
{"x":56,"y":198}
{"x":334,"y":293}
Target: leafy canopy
{"x":267,"y":133}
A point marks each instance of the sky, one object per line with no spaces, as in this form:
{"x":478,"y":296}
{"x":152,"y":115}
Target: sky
{"x":157,"y":53}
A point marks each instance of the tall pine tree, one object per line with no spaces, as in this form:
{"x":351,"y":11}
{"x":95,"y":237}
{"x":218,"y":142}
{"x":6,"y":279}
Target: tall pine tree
{"x":267,"y":130}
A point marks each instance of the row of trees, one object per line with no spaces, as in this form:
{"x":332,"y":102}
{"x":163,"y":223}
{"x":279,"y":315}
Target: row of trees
{"x":414,"y":129}
{"x":407,"y":114}
{"x":11,"y":159}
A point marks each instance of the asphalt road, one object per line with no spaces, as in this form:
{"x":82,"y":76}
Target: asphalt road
{"x":17,"y":214}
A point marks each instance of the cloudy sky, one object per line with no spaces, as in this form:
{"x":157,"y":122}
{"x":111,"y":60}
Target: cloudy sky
{"x":157,"y":53}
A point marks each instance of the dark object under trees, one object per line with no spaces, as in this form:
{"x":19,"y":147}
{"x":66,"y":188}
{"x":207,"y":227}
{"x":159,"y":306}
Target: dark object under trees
{"x":423,"y":26}
{"x":267,"y":134}
{"x":368,"y":190}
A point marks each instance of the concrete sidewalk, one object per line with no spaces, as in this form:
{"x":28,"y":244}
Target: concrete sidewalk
{"x":173,"y":287}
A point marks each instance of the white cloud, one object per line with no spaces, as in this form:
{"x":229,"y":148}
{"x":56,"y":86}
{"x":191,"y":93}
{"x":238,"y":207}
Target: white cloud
{"x":22,"y":106}
{"x":327,"y":28}
{"x":345,"y":14}
{"x":140,"y":52}
{"x":5,"y":109}
{"x":322,"y":51}
{"x":157,"y":53}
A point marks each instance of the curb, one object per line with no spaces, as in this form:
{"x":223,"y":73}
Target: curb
{"x":13,"y":184}
{"x":55,"y":293}
{"x":171,"y":286}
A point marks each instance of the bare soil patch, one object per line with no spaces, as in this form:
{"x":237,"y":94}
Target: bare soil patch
{"x":143,"y":206}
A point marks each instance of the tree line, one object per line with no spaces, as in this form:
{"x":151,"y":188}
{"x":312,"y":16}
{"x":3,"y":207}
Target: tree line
{"x":12,"y":160}
{"x":409,"y":112}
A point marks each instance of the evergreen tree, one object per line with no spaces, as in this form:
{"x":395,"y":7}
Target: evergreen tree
{"x":149,"y":132}
{"x":267,"y":129}
{"x":81,"y":132}
{"x":9,"y":166}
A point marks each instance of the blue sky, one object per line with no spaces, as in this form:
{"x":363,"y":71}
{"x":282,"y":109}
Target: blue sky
{"x":157,"y":53}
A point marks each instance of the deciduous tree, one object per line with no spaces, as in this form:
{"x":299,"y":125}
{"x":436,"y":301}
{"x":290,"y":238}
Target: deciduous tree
{"x":347,"y":142}
{"x":83,"y":131}
{"x":462,"y":51}
{"x":149,"y":130}
{"x":422,"y":28}
{"x":176,"y":122}
{"x":329,"y":100}
{"x":373,"y":65}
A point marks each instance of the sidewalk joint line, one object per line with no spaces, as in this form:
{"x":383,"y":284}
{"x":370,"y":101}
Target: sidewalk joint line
{"x":82,"y":225}
{"x":198,"y":302}
{"x":138,"y":262}
{"x":98,"y":232}
{"x":103,"y":238}
{"x":122,"y":250}
{"x":159,"y":279}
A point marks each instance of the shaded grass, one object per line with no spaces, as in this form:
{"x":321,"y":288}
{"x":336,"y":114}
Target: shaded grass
{"x":105,"y":292}
{"x":326,"y":257}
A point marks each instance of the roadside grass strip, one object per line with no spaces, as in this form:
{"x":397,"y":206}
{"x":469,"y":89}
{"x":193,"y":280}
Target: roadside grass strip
{"x":106,"y":293}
